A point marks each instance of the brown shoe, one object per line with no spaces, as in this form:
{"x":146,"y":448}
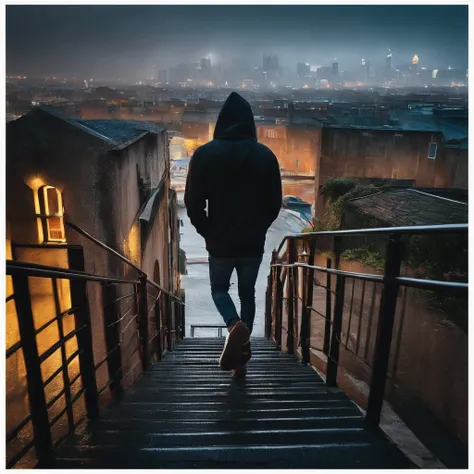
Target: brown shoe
{"x":240,"y":371}
{"x":237,"y":337}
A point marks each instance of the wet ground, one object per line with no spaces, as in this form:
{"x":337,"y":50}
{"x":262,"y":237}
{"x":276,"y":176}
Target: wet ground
{"x":200,"y":308}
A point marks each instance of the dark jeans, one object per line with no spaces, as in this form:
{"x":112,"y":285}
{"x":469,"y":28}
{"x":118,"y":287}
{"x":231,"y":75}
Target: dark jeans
{"x":220,"y":271}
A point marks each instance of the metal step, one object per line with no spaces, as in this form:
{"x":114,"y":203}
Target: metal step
{"x":187,"y":413}
{"x":357,"y":455}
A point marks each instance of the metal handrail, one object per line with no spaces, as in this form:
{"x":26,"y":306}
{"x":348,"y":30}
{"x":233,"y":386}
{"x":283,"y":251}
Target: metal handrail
{"x":419,"y":283}
{"x":121,"y":257}
{"x":104,"y":246}
{"x":116,"y":322}
{"x":279,"y":289}
{"x":416,"y":229}
{"x":35,"y":269}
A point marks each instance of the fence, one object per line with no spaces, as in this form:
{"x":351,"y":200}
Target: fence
{"x":69,"y":364}
{"x":292,"y":283}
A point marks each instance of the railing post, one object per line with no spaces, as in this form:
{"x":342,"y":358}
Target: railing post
{"x":270,"y":296}
{"x":268,"y":308}
{"x":333,"y":357}
{"x":278,"y":307}
{"x":36,"y":396}
{"x":112,"y":341}
{"x":143,"y":319}
{"x":168,"y":323}
{"x":290,"y":342}
{"x":183,"y":314}
{"x":158,"y":323}
{"x":383,"y":342}
{"x":85,"y":343}
{"x":308,"y":285}
{"x":327,"y":322}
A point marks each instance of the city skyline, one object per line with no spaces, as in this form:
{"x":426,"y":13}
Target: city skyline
{"x":129,"y":41}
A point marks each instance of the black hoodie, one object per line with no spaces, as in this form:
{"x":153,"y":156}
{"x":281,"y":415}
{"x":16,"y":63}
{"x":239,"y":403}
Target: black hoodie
{"x":240,"y":180}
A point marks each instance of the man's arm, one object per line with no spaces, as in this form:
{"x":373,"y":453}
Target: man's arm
{"x":275,"y":195}
{"x":195,"y":194}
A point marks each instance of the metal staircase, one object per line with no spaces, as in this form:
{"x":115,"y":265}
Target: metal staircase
{"x":187,"y":413}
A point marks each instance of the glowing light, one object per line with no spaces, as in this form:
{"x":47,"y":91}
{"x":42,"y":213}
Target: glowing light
{"x":34,"y":182}
{"x":435,"y":73}
{"x":415,"y":60}
{"x":132,"y":245}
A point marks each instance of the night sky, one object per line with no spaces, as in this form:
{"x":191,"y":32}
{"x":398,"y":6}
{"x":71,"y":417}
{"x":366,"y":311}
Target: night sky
{"x":126,"y":41}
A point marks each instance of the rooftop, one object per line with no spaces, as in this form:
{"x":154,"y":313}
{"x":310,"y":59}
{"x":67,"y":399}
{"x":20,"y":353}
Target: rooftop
{"x":119,"y":132}
{"x":403,"y":207}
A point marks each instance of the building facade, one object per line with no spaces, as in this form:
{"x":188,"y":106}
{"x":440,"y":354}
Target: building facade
{"x":111,"y":179}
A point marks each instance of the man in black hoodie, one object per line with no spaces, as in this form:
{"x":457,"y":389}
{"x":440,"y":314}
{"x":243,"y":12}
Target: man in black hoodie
{"x":240,"y":181}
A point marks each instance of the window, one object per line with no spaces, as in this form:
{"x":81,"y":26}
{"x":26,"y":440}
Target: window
{"x":51,"y":214}
{"x":432,"y":150}
{"x":297,"y":163}
{"x":271,"y":134}
{"x":395,"y":173}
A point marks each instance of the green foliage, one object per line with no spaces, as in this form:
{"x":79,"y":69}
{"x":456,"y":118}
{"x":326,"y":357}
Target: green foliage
{"x":364,"y":255}
{"x":334,"y":188}
{"x":436,"y":257}
{"x":338,"y":191}
{"x":439,"y":257}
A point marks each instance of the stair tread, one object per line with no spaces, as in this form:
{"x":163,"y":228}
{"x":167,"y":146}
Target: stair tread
{"x":187,"y":413}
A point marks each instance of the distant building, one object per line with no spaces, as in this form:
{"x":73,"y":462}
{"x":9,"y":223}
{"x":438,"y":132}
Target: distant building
{"x":94,"y":109}
{"x":335,"y":69}
{"x":180,"y":74}
{"x":271,"y":68}
{"x":197,"y":128}
{"x":432,"y":156}
{"x":365,"y":70}
{"x":303,"y":70}
{"x":324,"y":73}
{"x":206,"y":65}
{"x":388,"y":65}
{"x":296,"y":145}
{"x":163,"y":76}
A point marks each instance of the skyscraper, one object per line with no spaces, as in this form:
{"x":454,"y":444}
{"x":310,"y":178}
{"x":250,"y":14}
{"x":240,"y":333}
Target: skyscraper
{"x":414,"y":64}
{"x":388,"y":61}
{"x":324,"y":73}
{"x":163,"y":75}
{"x":271,"y":68}
{"x":206,"y":69}
{"x":335,"y":68}
{"x":365,"y":69}
{"x":206,"y":63}
{"x":303,"y":70}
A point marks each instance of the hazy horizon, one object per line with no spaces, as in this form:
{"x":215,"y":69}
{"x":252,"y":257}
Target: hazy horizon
{"x":128,"y":41}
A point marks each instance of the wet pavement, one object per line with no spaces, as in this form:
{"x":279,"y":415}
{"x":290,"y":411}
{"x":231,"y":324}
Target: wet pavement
{"x":200,"y":308}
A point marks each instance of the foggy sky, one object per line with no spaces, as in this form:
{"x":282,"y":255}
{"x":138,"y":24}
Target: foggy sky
{"x":126,"y":41}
